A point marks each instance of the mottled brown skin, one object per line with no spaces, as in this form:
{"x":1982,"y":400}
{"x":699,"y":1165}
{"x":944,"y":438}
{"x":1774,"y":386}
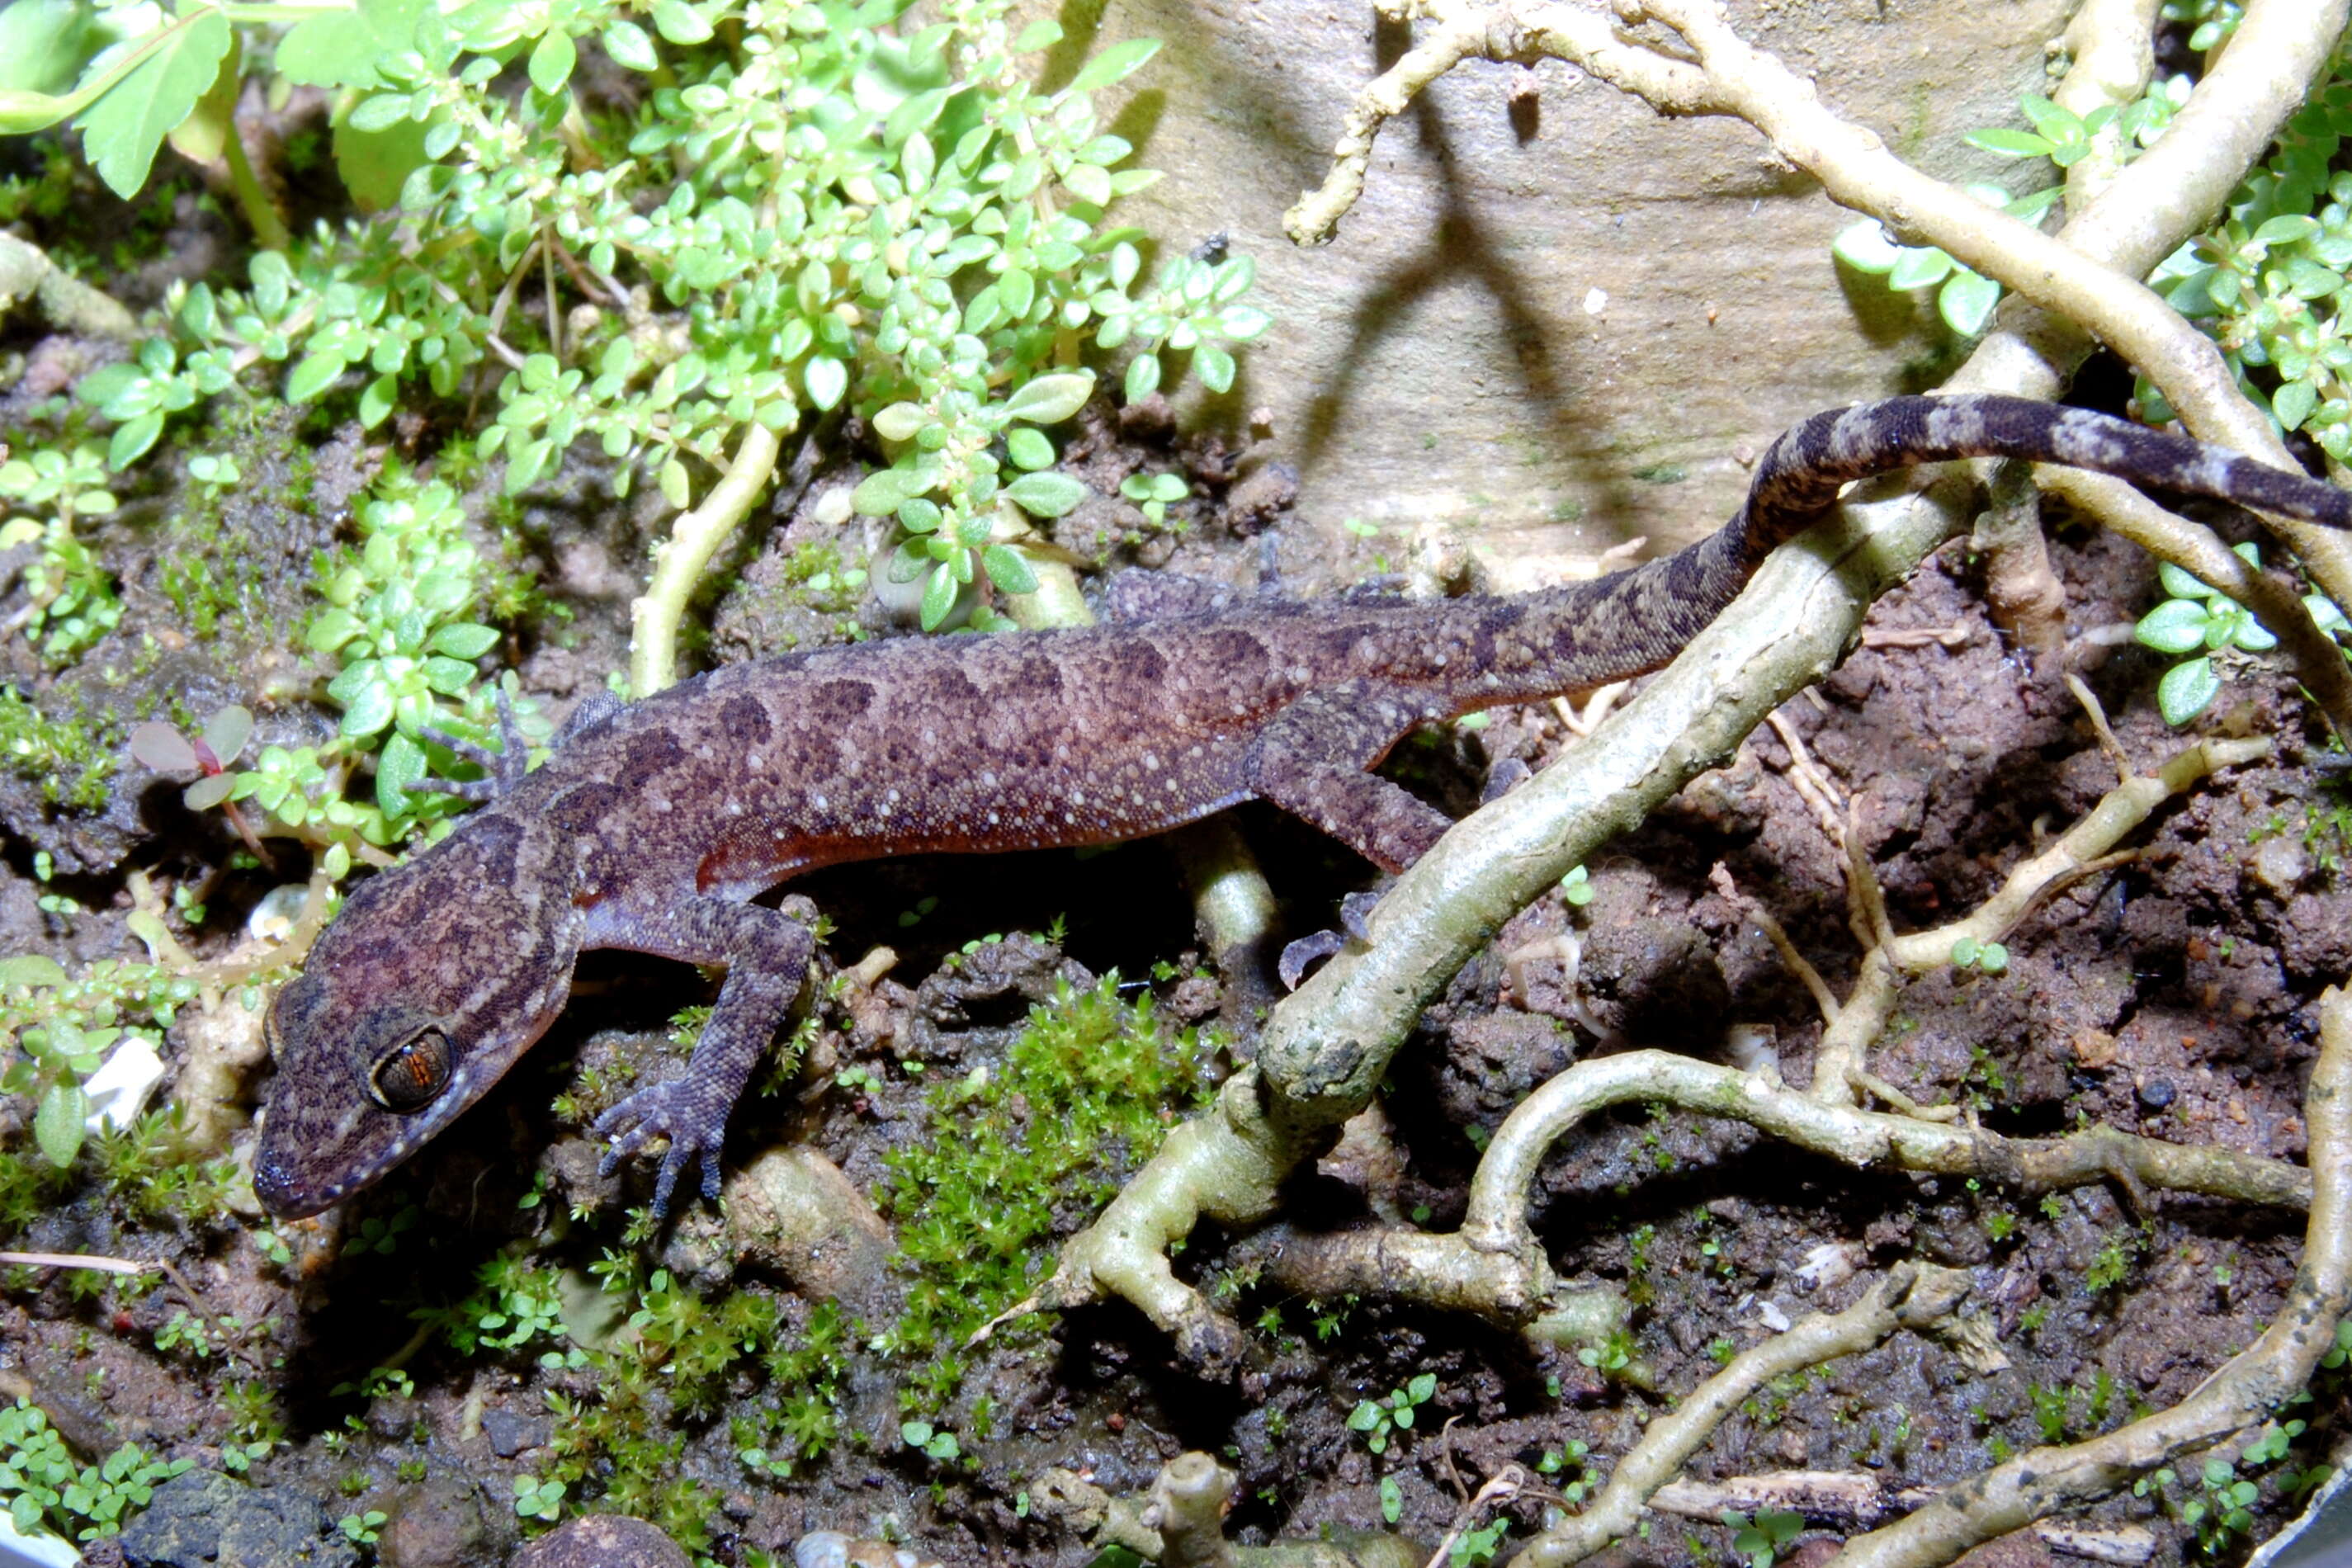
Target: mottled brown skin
{"x":652,"y":826}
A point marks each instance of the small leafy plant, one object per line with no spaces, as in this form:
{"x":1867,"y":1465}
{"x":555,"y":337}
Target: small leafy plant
{"x":1380,"y":1419}
{"x":2199,"y":621}
{"x":1762,"y":1538}
{"x":47,"y":1491}
{"x":1984,"y":957}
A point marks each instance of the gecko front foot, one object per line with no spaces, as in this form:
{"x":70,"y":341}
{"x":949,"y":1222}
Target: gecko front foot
{"x":680,"y":1109}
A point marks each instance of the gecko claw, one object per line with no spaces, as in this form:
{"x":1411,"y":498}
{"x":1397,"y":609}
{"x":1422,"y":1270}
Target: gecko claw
{"x":676,"y":1111}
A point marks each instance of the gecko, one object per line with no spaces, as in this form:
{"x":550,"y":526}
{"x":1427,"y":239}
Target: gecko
{"x":652,"y":826}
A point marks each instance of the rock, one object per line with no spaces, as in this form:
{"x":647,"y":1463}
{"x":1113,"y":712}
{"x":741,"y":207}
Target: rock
{"x":202,"y":1519}
{"x":438,"y":1524}
{"x":603,"y":1541}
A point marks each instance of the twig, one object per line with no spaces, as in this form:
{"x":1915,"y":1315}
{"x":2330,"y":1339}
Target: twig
{"x":1915,"y":1295}
{"x":693,"y":540}
{"x":2252,"y":1384}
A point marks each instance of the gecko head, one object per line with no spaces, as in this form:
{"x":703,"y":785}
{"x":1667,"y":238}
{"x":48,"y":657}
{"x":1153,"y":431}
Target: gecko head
{"x":435,"y":977}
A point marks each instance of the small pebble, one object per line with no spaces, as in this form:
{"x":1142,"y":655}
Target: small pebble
{"x":2156,"y":1094}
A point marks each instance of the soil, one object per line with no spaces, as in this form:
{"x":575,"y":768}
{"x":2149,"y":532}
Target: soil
{"x":2172,"y":996}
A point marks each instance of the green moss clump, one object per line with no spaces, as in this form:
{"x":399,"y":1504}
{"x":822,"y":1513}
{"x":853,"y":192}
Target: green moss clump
{"x":70,"y":758}
{"x":1023,"y":1152}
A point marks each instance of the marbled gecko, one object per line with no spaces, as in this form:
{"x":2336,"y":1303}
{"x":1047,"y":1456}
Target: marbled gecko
{"x":652,"y":827}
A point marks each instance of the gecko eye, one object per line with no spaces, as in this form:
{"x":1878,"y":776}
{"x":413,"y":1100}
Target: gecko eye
{"x":412,"y":1075}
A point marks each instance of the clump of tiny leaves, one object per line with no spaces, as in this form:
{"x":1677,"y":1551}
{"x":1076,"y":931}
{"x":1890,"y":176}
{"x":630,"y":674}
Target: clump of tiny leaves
{"x":1022,"y":1153}
{"x":71,"y":599}
{"x":62,"y":1027}
{"x":805,"y":211}
{"x":47,"y":1492}
{"x":2268,"y":282}
{"x":2199,"y":621}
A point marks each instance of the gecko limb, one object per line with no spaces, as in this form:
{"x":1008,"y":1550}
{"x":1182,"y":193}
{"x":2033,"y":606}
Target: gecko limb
{"x":766,"y":953}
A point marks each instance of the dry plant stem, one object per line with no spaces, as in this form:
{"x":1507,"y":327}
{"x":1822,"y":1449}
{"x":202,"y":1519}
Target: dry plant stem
{"x":693,"y":540}
{"x":1840,"y":1061}
{"x":2022,"y":594}
{"x":2247,"y":1389}
{"x":2318,"y":661}
{"x":65,"y":301}
{"x":2119,"y":811}
{"x":1496,"y":1220}
{"x":1187,"y":1508}
{"x":2112,"y":47}
{"x":1914,"y":1296}
{"x":1495,"y":1267}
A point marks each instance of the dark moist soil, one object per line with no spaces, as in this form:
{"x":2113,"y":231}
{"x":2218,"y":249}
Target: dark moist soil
{"x":2173,"y":997}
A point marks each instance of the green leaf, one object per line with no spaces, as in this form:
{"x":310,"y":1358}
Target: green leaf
{"x":131,"y":440}
{"x":2009,"y":143}
{"x":899,"y":421}
{"x":1008,"y":569}
{"x":57,"y":1125}
{"x":551,"y":59}
{"x":680,"y":23}
{"x":1916,"y":269}
{"x":1865,"y":247}
{"x":827,"y":379}
{"x":938,"y":597}
{"x":1088,"y":182}
{"x":1041,"y":34}
{"x":1045,"y":494}
{"x":369,"y":711}
{"x":331,"y":629}
{"x":2187,"y":690}
{"x":1243,"y":324}
{"x":2177,"y":625}
{"x":630,"y":46}
{"x":1966,"y":302}
{"x":313,"y":375}
{"x":1113,"y":63}
{"x":207,"y":792}
{"x":1214,"y":366}
{"x":376,"y":400}
{"x":882,"y":493}
{"x":341,"y":47}
{"x":463,"y":639}
{"x":2179,"y":583}
{"x":122,"y":130}
{"x":1028,"y":449}
{"x":45,"y":43}
{"x":402,"y":763}
{"x":1142,"y":377}
{"x":381,"y":112}
{"x":2293,"y":402}
{"x":1050,"y":399}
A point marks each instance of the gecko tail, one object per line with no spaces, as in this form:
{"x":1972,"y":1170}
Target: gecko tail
{"x":1802,"y":471}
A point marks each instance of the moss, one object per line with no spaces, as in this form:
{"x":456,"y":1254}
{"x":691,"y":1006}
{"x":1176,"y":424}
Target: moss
{"x":1025,"y":1153}
{"x":71,"y":759}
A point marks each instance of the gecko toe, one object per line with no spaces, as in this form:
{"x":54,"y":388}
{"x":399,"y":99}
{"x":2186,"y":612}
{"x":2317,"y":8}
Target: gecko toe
{"x":1304,"y":953}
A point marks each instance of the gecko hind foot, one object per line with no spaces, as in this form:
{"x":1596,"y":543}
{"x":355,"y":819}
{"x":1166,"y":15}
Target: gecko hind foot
{"x":676,"y":1109}
{"x":1355,"y":915}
